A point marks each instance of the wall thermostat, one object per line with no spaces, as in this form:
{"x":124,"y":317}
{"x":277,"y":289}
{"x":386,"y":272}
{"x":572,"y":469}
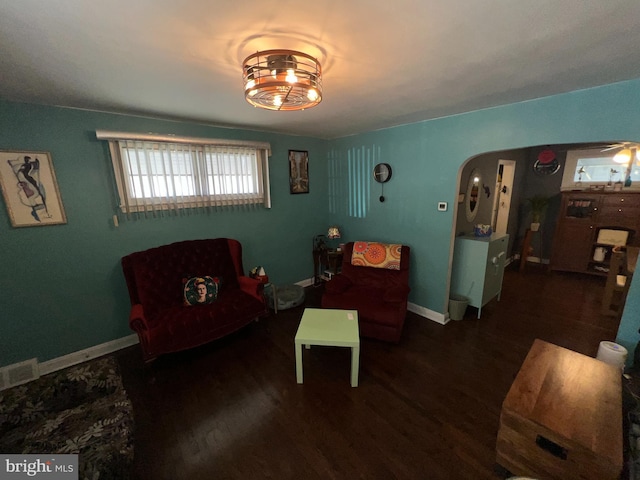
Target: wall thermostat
{"x":442,"y":206}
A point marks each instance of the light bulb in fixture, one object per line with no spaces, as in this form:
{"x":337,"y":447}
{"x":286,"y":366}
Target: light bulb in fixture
{"x":291,"y":77}
{"x":312,"y":95}
{"x":277,"y":100}
{"x":623,"y":156}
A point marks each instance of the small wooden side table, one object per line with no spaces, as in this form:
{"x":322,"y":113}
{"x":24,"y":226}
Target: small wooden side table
{"x":330,"y":258}
{"x":264,"y":279}
{"x":334,"y":257}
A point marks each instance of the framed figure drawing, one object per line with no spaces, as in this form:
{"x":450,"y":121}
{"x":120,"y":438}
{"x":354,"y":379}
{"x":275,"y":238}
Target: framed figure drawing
{"x":30,"y":189}
{"x":298,"y":171}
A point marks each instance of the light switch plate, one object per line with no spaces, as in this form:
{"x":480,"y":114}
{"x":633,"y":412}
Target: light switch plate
{"x":442,"y":206}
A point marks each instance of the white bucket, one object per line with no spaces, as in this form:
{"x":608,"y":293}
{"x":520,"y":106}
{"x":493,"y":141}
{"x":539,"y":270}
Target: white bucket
{"x":612,"y":353}
{"x":457,"y":307}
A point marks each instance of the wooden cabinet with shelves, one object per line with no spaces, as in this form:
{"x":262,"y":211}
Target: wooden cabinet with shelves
{"x":577,"y":243}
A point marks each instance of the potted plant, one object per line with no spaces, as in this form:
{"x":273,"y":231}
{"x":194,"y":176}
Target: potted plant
{"x":538,"y":204}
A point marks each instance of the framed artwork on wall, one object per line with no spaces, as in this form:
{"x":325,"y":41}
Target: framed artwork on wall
{"x":30,"y":189}
{"x":298,"y":171}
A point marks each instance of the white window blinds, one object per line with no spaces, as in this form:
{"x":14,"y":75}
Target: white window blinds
{"x":158,"y":173}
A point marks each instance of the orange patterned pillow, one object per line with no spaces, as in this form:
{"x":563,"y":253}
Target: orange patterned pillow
{"x":376,"y":255}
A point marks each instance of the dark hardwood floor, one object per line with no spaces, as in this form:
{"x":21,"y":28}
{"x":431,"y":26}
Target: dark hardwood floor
{"x":427,"y":408}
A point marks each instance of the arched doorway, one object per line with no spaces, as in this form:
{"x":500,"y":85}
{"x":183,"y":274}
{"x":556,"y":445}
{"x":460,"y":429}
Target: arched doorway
{"x":529,"y":180}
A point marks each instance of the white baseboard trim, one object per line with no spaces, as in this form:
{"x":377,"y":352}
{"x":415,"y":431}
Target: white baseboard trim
{"x":96,"y":351}
{"x":75,"y":358}
{"x":441,"y":318}
{"x":308,"y":282}
{"x":544,"y":261}
{"x":87,"y":354}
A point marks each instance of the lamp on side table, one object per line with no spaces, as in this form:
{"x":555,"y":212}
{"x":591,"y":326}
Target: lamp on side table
{"x":323,"y":255}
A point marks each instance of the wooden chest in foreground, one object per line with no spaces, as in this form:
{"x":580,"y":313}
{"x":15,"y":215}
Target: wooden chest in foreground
{"x":562,"y":417}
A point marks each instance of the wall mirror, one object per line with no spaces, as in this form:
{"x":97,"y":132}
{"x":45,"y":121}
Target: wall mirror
{"x":472,"y":198}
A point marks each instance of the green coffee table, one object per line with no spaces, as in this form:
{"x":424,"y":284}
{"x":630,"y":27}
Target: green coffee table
{"x":329,"y":327}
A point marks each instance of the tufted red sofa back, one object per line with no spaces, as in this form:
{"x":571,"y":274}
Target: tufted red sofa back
{"x":155,"y":277}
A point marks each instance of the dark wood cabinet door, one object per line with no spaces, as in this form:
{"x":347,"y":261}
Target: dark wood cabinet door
{"x":572,"y":246}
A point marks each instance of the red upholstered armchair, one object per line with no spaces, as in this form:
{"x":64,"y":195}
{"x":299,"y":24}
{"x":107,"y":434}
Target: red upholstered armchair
{"x":378,"y":294}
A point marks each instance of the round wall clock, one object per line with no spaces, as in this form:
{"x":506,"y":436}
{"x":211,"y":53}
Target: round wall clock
{"x":550,"y":168}
{"x":382,"y":172}
{"x":547,"y":163}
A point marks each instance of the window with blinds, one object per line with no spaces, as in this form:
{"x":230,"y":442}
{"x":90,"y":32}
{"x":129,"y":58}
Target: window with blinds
{"x":154,"y":175}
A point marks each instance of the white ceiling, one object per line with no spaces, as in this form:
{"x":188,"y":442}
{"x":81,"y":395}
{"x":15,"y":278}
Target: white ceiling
{"x":385,"y":62}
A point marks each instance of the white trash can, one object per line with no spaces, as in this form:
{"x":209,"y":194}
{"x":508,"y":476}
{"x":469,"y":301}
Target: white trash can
{"x":613,"y":354}
{"x":457,"y":306}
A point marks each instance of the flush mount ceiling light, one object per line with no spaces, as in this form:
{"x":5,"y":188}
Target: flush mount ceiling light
{"x":282,"y":80}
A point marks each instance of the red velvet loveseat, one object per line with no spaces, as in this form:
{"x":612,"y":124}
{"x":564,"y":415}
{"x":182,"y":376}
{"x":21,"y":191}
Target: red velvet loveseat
{"x":155,"y":279}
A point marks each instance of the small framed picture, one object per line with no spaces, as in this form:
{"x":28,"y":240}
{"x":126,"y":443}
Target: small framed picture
{"x":30,"y":189}
{"x":298,"y":171}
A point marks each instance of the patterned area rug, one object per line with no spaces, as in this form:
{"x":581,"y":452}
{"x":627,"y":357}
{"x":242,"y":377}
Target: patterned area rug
{"x":83,"y":409}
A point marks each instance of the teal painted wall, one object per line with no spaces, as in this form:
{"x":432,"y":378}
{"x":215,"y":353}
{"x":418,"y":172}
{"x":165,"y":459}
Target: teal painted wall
{"x":427,"y":156}
{"x":62,"y":285}
{"x":62,"y":289}
{"x":628,"y":335}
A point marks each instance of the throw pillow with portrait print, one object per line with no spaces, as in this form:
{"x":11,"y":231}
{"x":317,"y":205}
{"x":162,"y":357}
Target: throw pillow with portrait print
{"x":201,"y":290}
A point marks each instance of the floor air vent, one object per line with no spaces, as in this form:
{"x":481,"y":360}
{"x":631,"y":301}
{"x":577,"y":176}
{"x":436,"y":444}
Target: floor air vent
{"x":18,"y":373}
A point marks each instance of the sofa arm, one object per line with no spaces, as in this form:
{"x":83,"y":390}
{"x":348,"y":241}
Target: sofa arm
{"x":338,"y":284}
{"x":137,"y":321}
{"x":396,"y":294}
{"x":252,"y":286}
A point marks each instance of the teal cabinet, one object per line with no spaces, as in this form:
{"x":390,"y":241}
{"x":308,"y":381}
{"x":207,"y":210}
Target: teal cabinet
{"x":478,"y":268}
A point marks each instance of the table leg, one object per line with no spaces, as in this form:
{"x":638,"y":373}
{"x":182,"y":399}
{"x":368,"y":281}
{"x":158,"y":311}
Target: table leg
{"x":355,"y":365}
{"x":298,"y":362}
{"x":275,"y":298}
{"x":525,"y":250}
